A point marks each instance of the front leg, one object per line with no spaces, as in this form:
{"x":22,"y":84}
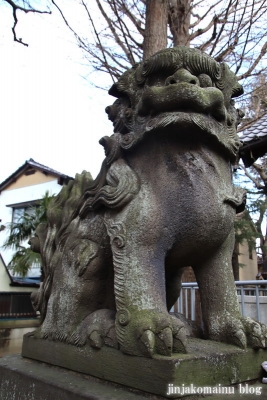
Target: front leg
{"x":220,"y":309}
{"x":143,"y":324}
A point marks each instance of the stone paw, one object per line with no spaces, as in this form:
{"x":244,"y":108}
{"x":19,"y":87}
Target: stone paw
{"x":149,"y":332}
{"x":243,"y":332}
{"x":98,"y":329}
{"x":256,"y":333}
{"x":101,"y":329}
{"x":36,"y":334}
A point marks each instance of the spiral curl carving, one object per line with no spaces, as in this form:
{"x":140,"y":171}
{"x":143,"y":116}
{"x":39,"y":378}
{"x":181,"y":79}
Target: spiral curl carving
{"x":123,"y":317}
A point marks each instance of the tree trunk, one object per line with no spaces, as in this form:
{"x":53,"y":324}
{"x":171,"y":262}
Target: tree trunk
{"x":235,"y":263}
{"x":179,"y":21}
{"x":155,"y":38}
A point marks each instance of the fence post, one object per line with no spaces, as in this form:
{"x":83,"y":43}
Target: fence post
{"x":258,"y":304}
{"x":193,"y":304}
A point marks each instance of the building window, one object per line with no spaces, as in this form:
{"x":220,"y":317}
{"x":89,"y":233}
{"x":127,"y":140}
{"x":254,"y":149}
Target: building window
{"x":18,"y":212}
{"x":18,"y":209}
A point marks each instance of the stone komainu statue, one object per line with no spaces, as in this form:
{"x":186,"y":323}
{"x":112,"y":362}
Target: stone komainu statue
{"x":114,"y":249}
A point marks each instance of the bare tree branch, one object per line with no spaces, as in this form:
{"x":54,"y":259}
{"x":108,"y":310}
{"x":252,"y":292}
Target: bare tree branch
{"x":202,"y":17}
{"x":205,"y":45}
{"x":79,"y":39}
{"x":137,"y":22}
{"x":99,"y":41}
{"x":254,"y":180}
{"x":16,"y":8}
{"x":111,"y":27}
{"x":131,"y":58}
{"x":255,"y":63}
{"x":249,"y":124}
{"x":227,"y":51}
{"x":203,"y":30}
{"x":233,"y":33}
{"x":222,"y":27}
{"x":261,"y":171}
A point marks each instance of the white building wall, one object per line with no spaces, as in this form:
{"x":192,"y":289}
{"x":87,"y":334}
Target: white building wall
{"x":20,"y":195}
{"x":5,"y":282}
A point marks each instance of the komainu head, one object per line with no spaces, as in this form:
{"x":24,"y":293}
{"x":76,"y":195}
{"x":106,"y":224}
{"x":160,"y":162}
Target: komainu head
{"x":181,"y":89}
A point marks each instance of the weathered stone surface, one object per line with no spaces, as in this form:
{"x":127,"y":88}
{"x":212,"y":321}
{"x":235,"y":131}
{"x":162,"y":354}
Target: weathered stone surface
{"x":114,"y":249}
{"x":24,"y":379}
{"x":207,"y":363}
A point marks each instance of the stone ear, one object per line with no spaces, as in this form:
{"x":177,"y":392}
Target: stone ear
{"x":237,"y":90}
{"x":230,"y":82}
{"x":113,"y":91}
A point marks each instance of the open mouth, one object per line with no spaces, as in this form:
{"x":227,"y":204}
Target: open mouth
{"x":180,"y":123}
{"x":180,"y":120}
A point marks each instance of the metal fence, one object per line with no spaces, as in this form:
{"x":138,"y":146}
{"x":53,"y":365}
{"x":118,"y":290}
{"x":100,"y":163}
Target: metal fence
{"x":252,"y":297}
{"x":16,"y":305}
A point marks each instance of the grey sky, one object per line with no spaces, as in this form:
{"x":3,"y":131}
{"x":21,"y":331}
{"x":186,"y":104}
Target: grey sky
{"x":48,"y":111}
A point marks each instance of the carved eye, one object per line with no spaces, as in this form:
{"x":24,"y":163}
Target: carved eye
{"x":204,"y":80}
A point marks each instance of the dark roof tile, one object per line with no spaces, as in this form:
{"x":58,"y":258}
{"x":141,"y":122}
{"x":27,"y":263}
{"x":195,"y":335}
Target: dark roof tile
{"x":36,"y":165}
{"x":258,"y":129}
{"x":254,"y":141}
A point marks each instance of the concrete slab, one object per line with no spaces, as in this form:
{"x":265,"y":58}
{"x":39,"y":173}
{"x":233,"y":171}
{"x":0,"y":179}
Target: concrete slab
{"x":25,"y":379}
{"x":208,"y":364}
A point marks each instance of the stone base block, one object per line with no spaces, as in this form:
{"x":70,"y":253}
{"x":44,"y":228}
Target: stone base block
{"x":25,"y":379}
{"x":208,"y":364}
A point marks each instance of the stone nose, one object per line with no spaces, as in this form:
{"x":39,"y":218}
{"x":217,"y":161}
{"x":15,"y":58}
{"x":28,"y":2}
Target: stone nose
{"x":108,"y":109}
{"x":182,"y":75}
{"x":112,"y":112}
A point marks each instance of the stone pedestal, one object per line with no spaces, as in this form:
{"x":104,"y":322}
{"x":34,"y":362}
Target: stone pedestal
{"x":208,"y":364}
{"x":25,"y":379}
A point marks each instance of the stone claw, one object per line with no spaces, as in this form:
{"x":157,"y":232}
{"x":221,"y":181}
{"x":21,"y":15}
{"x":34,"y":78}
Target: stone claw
{"x":256,"y":333}
{"x":264,"y":333}
{"x":242,"y":332}
{"x":165,"y":342}
{"x":111,"y":338}
{"x":150,"y":332}
{"x":257,"y":339}
{"x":179,"y":341}
{"x":95,"y":340}
{"x":179,"y":336}
{"x":239,"y":338}
{"x":148,"y":339}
